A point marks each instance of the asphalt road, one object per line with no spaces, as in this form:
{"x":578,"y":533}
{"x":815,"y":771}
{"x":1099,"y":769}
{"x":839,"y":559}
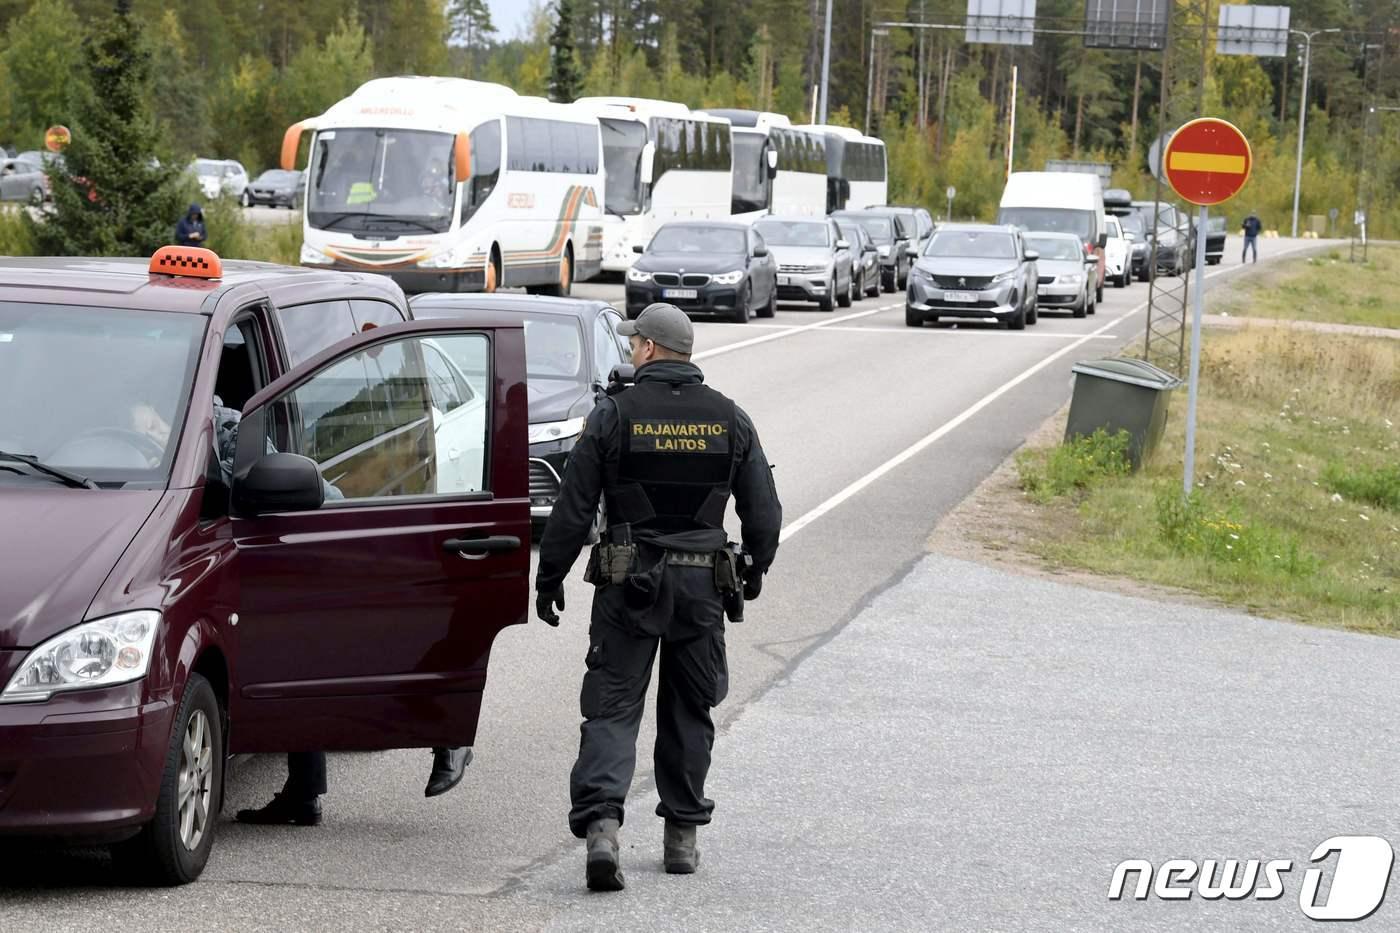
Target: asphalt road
{"x":876,"y":431}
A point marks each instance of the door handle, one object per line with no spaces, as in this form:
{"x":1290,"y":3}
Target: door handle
{"x":480,"y":547}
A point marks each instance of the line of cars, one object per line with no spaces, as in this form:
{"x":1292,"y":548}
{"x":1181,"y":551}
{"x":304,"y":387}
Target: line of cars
{"x":737,"y":270}
{"x":227,"y":178}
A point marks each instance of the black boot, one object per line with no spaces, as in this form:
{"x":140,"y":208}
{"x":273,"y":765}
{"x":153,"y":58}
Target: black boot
{"x":603,"y":870}
{"x":449,"y":764}
{"x":284,"y":810}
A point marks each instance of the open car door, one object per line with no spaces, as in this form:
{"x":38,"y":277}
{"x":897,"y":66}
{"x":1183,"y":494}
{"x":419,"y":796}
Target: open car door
{"x":381,"y":519}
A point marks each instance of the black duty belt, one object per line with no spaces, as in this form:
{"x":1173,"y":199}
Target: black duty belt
{"x":690,"y":559}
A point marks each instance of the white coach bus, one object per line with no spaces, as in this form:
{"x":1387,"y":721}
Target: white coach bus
{"x":778,"y":169}
{"x":663,"y":162}
{"x":446,"y":184}
{"x":855,"y":168}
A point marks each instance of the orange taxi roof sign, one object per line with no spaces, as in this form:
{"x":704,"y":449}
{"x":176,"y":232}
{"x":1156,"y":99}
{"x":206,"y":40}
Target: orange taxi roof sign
{"x":193,"y":262}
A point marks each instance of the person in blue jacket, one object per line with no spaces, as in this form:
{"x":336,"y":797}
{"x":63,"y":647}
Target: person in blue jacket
{"x":190,"y":230}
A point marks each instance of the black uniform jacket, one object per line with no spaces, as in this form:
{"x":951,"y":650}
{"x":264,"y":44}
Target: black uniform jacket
{"x":593,"y":465}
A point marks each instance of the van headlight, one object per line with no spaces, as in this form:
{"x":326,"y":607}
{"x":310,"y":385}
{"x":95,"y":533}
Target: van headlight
{"x":310,"y":255}
{"x":111,"y":651}
{"x":555,"y":430}
{"x":729,"y":278}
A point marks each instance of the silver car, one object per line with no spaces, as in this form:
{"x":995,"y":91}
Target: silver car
{"x":865,"y":257}
{"x":1065,"y":273}
{"x":814,"y":261}
{"x":22,"y":180}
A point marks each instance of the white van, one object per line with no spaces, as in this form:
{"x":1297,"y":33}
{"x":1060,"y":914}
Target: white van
{"x":1058,"y":202}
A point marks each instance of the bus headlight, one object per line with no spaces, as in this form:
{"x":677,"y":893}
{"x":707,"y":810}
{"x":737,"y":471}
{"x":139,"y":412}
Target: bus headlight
{"x":310,"y":255}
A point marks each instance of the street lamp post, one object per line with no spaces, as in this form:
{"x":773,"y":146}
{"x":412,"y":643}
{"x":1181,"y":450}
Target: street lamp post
{"x":1303,"y":115}
{"x":826,"y":59}
{"x":870,"y":81}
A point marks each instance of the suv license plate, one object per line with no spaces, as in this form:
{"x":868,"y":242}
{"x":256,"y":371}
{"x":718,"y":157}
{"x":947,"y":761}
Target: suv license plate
{"x":679,"y":293}
{"x":964,"y":297}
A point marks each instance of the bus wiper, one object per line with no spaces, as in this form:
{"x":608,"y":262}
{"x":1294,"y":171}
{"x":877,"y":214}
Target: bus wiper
{"x":399,"y":220}
{"x":337,"y":218}
{"x":72,"y":479}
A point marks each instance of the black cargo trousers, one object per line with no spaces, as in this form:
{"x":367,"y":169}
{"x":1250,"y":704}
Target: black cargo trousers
{"x":687,"y":623}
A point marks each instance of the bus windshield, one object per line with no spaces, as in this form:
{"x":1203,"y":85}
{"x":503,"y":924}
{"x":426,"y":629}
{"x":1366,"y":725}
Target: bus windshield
{"x":623,"y":141}
{"x":750,"y":173}
{"x":382,"y":180}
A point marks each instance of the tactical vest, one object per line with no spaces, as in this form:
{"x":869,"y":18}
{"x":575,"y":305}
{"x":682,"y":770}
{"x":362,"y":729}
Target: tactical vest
{"x":677,"y":457}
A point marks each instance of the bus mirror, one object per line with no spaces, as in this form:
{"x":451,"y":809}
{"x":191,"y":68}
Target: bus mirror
{"x":772,"y":162}
{"x":291,"y":139}
{"x":648,"y":161}
{"x":462,"y":157}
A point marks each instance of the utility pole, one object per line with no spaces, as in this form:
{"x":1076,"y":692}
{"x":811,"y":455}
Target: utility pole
{"x":1011,"y":132}
{"x":870,"y":81}
{"x":1302,"y":115}
{"x":826,"y":61}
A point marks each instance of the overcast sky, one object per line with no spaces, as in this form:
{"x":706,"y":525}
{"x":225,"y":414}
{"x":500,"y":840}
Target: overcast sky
{"x":509,"y":17}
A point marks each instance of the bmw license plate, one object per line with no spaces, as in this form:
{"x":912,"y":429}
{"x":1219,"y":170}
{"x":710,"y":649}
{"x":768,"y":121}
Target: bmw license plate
{"x":679,"y":293}
{"x":963,"y":297}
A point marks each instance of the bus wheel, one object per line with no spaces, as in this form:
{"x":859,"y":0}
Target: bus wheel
{"x":566,"y":278}
{"x":493,"y":273}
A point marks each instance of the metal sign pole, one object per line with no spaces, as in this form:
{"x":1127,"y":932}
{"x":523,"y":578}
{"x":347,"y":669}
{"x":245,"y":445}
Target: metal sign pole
{"x":1198,"y":301}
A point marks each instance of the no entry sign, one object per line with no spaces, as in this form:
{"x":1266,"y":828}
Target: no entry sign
{"x":1207,"y":161}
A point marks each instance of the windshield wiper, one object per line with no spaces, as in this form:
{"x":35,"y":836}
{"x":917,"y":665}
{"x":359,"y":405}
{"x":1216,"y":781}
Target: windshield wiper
{"x":399,"y":220}
{"x":72,"y":479}
{"x":337,"y":218}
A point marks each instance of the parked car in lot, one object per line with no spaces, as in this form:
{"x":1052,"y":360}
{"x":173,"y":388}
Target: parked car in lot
{"x":221,"y":178}
{"x":21,"y":180}
{"x":571,"y":349}
{"x":1117,"y":254}
{"x":974,"y":271}
{"x":1065,"y":275}
{"x":815,"y":262}
{"x":865,"y":257}
{"x":893,"y":237}
{"x":194,"y":583}
{"x":705,"y":267}
{"x":276,"y":188}
{"x":916,"y":219}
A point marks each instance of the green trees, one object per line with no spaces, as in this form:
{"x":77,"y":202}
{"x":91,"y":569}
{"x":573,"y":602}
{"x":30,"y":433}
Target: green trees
{"x":111,"y":197}
{"x":565,"y":74}
{"x":42,"y":56}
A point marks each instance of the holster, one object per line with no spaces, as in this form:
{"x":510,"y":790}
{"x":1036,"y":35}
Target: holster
{"x":729,"y":581}
{"x":612,"y":558}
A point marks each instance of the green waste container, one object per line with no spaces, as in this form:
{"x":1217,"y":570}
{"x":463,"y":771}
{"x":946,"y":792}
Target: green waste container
{"x":1121,"y":394}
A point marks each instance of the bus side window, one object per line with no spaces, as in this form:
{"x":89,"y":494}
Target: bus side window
{"x":486,"y":167}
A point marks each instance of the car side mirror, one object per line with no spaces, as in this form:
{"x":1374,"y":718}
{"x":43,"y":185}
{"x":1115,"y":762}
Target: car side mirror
{"x":912,"y":253}
{"x":843,"y":244}
{"x":279,"y":482}
{"x":870,"y":248}
{"x":620,"y":377}
{"x":637,"y":248}
{"x":1103,"y":240}
{"x":1031,"y":255}
{"x":759,"y":252}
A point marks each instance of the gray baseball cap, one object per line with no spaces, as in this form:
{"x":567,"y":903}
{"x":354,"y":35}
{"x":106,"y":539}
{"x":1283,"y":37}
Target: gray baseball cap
{"x":663,"y":323}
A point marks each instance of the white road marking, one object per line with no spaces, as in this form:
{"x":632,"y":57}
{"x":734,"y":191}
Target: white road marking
{"x":796,"y":329}
{"x":942,"y":430}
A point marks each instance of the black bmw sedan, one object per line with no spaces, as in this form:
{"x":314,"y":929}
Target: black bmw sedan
{"x":705,"y":267}
{"x":571,"y":348}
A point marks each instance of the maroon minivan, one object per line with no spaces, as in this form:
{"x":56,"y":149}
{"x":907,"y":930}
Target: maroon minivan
{"x":243,"y":508}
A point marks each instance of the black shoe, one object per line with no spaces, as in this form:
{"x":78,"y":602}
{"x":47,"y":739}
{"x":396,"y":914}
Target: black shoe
{"x":449,"y":764}
{"x":603,"y":869}
{"x":284,"y":810}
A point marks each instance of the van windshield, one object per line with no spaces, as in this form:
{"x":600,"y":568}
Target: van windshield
{"x":98,"y":391}
{"x":1050,"y":220}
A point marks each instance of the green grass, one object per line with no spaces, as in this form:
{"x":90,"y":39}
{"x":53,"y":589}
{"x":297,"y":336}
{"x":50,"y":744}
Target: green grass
{"x":15,"y":238}
{"x":1296,"y":510}
{"x":1048,"y":473}
{"x":1324,"y":288}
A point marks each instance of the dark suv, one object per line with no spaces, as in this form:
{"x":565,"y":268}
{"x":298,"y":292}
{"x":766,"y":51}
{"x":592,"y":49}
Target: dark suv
{"x":248,"y":509}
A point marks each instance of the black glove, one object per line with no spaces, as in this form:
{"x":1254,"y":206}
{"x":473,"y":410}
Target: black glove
{"x":545,"y":601}
{"x":753,"y":584}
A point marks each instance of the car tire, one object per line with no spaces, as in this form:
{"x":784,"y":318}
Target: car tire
{"x":913,"y":318}
{"x":886,"y":282}
{"x":846,"y":297}
{"x":161,"y":853}
{"x":903,"y":280}
{"x":1098,"y":293}
{"x":1019,"y":321}
{"x":771,"y":308}
{"x":244,"y":199}
{"x":825,"y":303}
{"x":1034,"y":316}
{"x":741,"y":307}
{"x":1082,"y":308}
{"x":872,"y":286}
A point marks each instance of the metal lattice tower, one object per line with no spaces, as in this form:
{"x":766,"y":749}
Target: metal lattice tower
{"x":1189,"y":30}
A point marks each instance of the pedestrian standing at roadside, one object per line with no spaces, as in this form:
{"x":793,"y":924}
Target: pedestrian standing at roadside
{"x":664,"y":456}
{"x":1252,"y":226}
{"x":190,"y":230}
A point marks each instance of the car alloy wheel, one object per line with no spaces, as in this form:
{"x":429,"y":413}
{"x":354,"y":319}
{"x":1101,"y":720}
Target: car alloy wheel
{"x":246,"y":200}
